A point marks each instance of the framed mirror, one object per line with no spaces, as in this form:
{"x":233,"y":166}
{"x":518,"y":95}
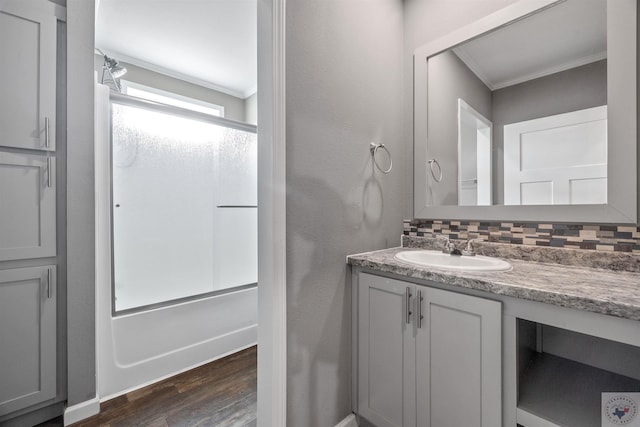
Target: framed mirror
{"x":530,"y":114}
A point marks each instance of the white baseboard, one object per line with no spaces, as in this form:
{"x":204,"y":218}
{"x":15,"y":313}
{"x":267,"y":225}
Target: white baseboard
{"x":79,"y":412}
{"x":349,"y":421}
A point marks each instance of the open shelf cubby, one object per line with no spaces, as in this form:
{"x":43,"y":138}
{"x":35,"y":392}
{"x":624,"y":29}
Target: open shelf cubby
{"x":558,"y":390}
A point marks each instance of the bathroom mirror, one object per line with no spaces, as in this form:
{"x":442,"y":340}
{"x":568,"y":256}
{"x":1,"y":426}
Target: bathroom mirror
{"x":530,"y":114}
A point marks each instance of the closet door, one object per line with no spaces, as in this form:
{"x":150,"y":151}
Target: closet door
{"x":27,"y":206}
{"x":28,"y":334}
{"x":28,"y":75}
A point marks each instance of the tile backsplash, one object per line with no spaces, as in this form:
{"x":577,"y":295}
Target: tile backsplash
{"x":619,"y":238}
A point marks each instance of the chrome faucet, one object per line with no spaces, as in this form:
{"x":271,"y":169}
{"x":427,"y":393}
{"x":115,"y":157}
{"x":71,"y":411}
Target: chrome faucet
{"x":468,"y":250}
{"x":449,"y":246}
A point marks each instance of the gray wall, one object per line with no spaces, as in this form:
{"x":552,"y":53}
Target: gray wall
{"x":570,"y":90}
{"x":251,"y":109}
{"x":449,"y":79}
{"x":344,"y":89}
{"x":81,"y":340}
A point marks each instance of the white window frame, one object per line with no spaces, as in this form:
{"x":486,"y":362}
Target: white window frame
{"x":172,"y":98}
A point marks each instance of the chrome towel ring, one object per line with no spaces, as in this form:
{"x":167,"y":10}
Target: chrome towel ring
{"x":373,"y":147}
{"x":437,"y":176}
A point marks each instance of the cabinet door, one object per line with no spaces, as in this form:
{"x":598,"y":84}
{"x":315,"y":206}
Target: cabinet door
{"x":28,"y":337}
{"x":386,"y":352}
{"x":28,"y":77}
{"x":458,"y":353}
{"x":27,"y":206}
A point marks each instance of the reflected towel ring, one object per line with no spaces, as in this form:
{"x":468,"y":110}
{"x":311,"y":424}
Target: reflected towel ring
{"x":373,"y":147}
{"x":436,"y":176}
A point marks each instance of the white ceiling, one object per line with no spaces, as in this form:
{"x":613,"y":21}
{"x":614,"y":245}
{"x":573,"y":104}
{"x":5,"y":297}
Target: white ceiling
{"x":208,"y":42}
{"x":564,"y":36}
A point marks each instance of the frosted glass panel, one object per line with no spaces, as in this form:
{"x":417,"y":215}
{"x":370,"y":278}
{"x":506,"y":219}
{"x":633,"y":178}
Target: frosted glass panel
{"x":173,"y":233}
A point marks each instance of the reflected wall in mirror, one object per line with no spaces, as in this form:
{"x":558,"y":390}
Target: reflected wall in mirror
{"x":516,"y":109}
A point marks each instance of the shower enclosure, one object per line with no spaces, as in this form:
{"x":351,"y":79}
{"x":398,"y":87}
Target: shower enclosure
{"x":177,"y":239}
{"x":184,"y":204}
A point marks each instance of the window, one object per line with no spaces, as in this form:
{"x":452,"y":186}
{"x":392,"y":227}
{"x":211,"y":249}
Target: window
{"x":170,"y":98}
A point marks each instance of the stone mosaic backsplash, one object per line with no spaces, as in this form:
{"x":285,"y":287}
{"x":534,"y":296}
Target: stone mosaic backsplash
{"x":618,"y":238}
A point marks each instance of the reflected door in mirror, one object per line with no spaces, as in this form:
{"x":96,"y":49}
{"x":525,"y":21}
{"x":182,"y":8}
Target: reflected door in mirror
{"x":560,"y":159}
{"x":474,"y":157}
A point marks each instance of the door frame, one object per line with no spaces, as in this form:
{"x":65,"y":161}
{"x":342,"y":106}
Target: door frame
{"x":272,"y":271}
{"x":272,"y":372}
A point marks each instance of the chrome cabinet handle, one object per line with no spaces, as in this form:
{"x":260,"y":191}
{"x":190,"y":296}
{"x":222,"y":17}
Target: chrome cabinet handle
{"x":419,"y":316}
{"x":46,"y":132}
{"x":49,"y":172}
{"x":408,"y":304}
{"x":48,"y":283}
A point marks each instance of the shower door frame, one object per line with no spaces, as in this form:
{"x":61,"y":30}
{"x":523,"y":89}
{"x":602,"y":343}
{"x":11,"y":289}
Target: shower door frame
{"x":132,"y":101}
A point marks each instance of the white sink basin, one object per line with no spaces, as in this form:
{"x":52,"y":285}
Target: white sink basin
{"x":437,"y":259}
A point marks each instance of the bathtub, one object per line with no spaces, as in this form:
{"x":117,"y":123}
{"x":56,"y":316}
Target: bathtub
{"x":140,"y":348}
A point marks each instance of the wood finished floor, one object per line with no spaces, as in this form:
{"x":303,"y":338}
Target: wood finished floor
{"x":221,"y":394}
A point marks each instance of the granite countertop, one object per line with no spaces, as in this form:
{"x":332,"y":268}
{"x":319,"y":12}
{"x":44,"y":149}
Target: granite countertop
{"x":616,"y":293}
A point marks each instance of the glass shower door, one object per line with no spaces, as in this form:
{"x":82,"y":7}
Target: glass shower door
{"x":184,"y":201}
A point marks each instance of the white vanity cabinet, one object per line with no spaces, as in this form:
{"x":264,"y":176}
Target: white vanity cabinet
{"x":450,"y":349}
{"x":425,"y":356}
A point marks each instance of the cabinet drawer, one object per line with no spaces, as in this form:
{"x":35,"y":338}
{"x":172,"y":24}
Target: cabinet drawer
{"x":27,"y":206}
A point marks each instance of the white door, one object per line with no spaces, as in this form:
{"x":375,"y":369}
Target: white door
{"x":559,"y":159}
{"x":474,"y":157}
{"x":458,"y":356}
{"x":386,"y":351}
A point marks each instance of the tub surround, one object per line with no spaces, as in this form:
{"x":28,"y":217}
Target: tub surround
{"x":599,"y":282}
